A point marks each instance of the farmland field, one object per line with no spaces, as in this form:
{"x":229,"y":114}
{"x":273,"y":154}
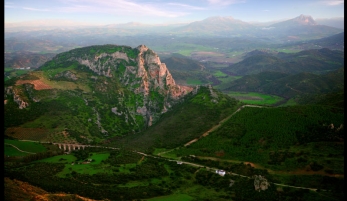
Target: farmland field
{"x":255,"y":98}
{"x":172,"y":197}
{"x":193,"y":82}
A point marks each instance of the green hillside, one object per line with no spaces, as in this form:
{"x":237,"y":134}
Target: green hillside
{"x":92,"y":93}
{"x":186,"y":121}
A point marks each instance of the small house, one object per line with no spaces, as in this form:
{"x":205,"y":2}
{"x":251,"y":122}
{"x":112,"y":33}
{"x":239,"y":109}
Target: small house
{"x":220,"y":172}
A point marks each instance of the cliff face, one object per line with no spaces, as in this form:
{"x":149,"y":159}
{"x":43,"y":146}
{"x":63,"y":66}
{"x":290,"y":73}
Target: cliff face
{"x":142,"y":74}
{"x":124,"y":89}
{"x":156,"y":75}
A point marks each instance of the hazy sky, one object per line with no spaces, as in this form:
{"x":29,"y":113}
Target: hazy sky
{"x":167,"y":11}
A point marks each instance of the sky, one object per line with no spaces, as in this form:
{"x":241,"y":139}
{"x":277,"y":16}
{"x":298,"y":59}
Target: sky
{"x":103,"y":12}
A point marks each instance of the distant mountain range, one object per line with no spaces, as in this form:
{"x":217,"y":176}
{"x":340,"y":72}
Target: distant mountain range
{"x":26,"y":59}
{"x":337,"y":22}
{"x":216,"y":26}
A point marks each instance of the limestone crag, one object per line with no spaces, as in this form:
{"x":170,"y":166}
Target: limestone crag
{"x":17,"y":96}
{"x":143,"y":74}
{"x":156,"y":75}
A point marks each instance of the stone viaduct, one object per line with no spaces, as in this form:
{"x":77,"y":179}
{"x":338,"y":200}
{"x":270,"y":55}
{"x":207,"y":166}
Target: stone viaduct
{"x":71,"y":147}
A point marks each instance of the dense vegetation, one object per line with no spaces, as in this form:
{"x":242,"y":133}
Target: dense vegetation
{"x":184,"y":122}
{"x":285,"y":138}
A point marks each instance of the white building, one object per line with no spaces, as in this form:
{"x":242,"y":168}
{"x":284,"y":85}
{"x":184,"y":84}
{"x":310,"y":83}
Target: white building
{"x":220,"y":172}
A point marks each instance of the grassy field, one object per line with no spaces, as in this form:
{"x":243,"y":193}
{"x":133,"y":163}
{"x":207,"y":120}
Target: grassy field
{"x":225,"y":80}
{"x":182,"y":48}
{"x":33,"y":147}
{"x":289,"y":102}
{"x":11,"y":151}
{"x":193,"y":82}
{"x":71,"y":164}
{"x":173,"y":197}
{"x":7,"y":69}
{"x":255,"y":98}
{"x":219,"y":74}
{"x":14,"y":73}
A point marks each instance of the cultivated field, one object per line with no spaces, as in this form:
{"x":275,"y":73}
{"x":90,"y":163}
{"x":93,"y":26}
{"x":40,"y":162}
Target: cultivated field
{"x":255,"y":98}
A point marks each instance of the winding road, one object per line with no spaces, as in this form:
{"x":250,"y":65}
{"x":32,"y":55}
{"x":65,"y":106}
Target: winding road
{"x":20,"y":149}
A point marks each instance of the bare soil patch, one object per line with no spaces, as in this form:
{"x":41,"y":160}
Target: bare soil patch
{"x":36,"y":134}
{"x":38,"y":84}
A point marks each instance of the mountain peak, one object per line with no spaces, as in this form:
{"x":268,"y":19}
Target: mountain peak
{"x":305,"y":20}
{"x":142,"y":48}
{"x":220,"y":18}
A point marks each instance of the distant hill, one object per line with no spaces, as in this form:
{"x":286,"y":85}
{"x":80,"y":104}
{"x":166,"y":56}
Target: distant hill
{"x":215,"y":26}
{"x":302,"y":27}
{"x":315,"y":60}
{"x":184,"y":68}
{"x":337,"y":22}
{"x":259,"y":52}
{"x":332,"y":99}
{"x":300,"y":20}
{"x":183,"y":63}
{"x":288,"y":86}
{"x":26,"y":59}
{"x":299,"y":28}
{"x":333,"y":42}
{"x":36,"y":44}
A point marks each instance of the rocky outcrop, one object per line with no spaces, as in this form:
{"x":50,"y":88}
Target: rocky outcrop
{"x":143,"y":74}
{"x":260,"y":183}
{"x":156,"y":75}
{"x":18,"y":97}
{"x":67,"y":75}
